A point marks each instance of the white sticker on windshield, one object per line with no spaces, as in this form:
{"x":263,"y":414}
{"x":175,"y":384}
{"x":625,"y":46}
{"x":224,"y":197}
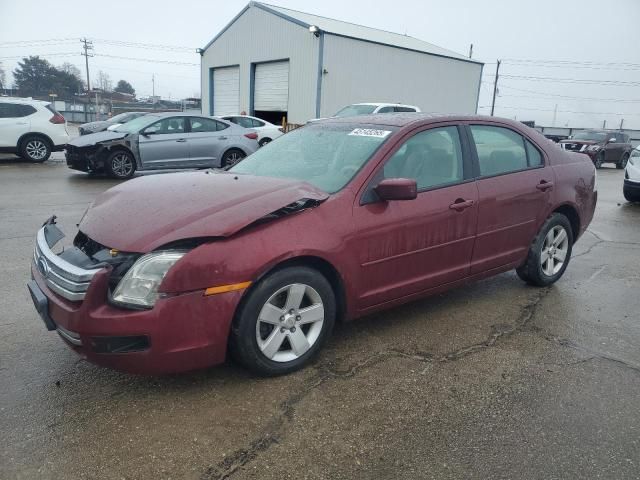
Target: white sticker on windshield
{"x":370,"y":132}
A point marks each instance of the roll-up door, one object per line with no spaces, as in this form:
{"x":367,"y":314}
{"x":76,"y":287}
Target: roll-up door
{"x":271,"y":87}
{"x":226,"y":91}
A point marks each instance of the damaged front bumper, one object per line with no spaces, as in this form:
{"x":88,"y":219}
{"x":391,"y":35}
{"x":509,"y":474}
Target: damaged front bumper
{"x":86,"y":159}
{"x":182,"y":332}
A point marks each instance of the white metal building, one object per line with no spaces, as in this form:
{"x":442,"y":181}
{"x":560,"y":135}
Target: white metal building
{"x":272,"y":62}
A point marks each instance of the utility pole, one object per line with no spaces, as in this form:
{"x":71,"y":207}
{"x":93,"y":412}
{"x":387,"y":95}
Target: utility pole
{"x":495,"y":88}
{"x":471,"y":50}
{"x":621,"y":123}
{"x":555,"y":113}
{"x":87,"y":46}
{"x":153,"y":90}
{"x":604,"y":124}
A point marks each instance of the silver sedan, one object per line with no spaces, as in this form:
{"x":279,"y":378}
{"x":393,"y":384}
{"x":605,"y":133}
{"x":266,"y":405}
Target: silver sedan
{"x":161,"y":141}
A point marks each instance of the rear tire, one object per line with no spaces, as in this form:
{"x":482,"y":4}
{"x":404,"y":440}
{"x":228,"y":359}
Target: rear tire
{"x":264,"y":141}
{"x":35,"y":148}
{"x":549,"y":253}
{"x":120,"y":164}
{"x":284,"y":321}
{"x":623,"y":162}
{"x":231,"y":157}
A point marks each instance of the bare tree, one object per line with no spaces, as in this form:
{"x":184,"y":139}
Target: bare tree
{"x":3,"y":77}
{"x":71,"y":69}
{"x":104,"y":82}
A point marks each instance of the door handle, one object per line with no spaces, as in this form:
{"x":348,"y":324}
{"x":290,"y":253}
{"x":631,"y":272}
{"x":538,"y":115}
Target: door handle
{"x":461,"y":204}
{"x":543,"y":186}
{"x":181,"y":140}
{"x":21,"y":123}
{"x":222,"y":138}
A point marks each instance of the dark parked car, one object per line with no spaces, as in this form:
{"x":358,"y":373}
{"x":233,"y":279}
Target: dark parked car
{"x":161,"y":141}
{"x":335,"y":220}
{"x":602,"y":146}
{"x":102,"y":125}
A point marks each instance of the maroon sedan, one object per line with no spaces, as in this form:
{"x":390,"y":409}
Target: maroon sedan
{"x":332,"y":221}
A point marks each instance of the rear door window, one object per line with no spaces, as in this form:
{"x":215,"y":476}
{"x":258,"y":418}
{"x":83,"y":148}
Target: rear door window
{"x":385,"y":110}
{"x":199,"y":125}
{"x":499,"y":149}
{"x":404,"y":109}
{"x":15,"y":110}
{"x":167,"y":126}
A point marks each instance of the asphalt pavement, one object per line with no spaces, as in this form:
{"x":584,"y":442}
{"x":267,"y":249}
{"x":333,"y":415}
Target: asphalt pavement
{"x":494,"y":380}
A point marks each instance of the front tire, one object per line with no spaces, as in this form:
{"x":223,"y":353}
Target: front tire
{"x":36,"y":149}
{"x":623,"y":162}
{"x":550,"y":252}
{"x":630,"y":196}
{"x":599,"y":160}
{"x":284,"y":322}
{"x":120,"y":164}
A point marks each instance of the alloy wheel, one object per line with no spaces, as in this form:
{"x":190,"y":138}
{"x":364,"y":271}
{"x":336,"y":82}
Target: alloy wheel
{"x":36,"y":149}
{"x":233,"y":157}
{"x":121,"y":165}
{"x":290,"y":322}
{"x":554,"y":250}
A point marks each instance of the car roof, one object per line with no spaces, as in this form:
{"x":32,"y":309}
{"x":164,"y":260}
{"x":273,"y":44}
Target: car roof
{"x":407,"y":118}
{"x":178,"y":114}
{"x":26,"y":101}
{"x":375,"y":104}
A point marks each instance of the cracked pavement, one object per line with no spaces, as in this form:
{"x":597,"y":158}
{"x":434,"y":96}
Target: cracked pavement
{"x":493,"y":380}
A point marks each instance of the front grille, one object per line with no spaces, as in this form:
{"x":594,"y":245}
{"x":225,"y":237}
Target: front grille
{"x":64,"y":278}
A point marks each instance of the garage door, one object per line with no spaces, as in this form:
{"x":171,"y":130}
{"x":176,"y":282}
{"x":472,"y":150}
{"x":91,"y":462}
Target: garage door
{"x":226,"y":91}
{"x":271,"y":87}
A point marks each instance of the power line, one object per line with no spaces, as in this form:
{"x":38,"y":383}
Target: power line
{"x":621,"y":83}
{"x":546,"y":94}
{"x":169,"y":62}
{"x":572,"y":62}
{"x":62,"y":54}
{"x":151,"y":46}
{"x":563,"y":111}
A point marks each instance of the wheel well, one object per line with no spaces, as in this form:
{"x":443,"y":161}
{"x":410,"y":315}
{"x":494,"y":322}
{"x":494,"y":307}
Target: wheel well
{"x":327,"y":270}
{"x":34,"y":134}
{"x":574,"y":219}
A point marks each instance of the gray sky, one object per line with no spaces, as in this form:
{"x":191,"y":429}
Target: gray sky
{"x":590,"y":32}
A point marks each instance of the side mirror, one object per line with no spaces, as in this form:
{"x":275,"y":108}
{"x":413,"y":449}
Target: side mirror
{"x":148,"y":132}
{"x":397,"y":189}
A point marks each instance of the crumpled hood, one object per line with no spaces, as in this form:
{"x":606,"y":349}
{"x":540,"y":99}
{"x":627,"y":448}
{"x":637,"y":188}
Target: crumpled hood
{"x":93,"y":138}
{"x":143,"y":214}
{"x":96,"y":126}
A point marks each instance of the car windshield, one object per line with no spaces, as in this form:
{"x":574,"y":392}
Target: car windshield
{"x":353,"y":110}
{"x":121,"y":117}
{"x":137,"y":124}
{"x":326,"y":156}
{"x":593,"y":136}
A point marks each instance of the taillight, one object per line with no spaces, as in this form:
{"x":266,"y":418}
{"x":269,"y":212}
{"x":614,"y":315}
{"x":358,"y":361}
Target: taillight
{"x":57,"y":119}
{"x":252,"y":135}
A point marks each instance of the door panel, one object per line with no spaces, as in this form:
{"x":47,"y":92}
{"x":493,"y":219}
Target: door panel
{"x":167,"y":147}
{"x":226,"y":91}
{"x":13,"y":124}
{"x":406,"y":247}
{"x":206,"y":142}
{"x":414,"y":245}
{"x":513,"y":201}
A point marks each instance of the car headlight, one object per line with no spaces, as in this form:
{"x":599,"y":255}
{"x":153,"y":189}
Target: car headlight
{"x":593,"y":148}
{"x":635,"y":161}
{"x":583,"y":148}
{"x":139,"y":286}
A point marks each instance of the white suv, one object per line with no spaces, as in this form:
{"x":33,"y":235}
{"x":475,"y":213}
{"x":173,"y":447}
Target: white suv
{"x":31,"y":128}
{"x":631,"y":188}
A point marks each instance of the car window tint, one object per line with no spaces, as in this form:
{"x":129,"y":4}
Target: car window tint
{"x":24,"y":110}
{"x":404,"y":109}
{"x":167,"y":126}
{"x":257,"y":123}
{"x":220,"y":125}
{"x":386,"y":110}
{"x":500,"y":150}
{"x":432,"y":157}
{"x":199,"y":125}
{"x":244,"y":122}
{"x":6,"y":110}
{"x":533,"y":155}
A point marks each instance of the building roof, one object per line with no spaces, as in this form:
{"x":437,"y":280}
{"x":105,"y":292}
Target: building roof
{"x":351,"y":30}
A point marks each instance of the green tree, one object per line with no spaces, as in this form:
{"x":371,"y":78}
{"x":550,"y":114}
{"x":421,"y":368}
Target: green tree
{"x":125,"y":87}
{"x":34,"y":76}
